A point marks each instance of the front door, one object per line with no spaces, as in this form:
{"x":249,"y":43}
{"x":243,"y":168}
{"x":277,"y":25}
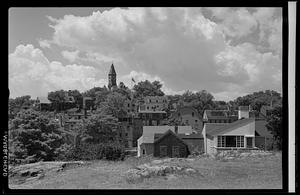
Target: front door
{"x":249,"y":142}
{"x":175,"y":151}
{"x":163,"y":151}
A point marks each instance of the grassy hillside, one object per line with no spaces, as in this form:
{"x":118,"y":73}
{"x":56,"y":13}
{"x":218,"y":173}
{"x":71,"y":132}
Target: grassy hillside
{"x":259,"y":172}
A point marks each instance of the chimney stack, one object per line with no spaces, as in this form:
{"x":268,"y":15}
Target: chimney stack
{"x":243,"y":112}
{"x":176,"y":129}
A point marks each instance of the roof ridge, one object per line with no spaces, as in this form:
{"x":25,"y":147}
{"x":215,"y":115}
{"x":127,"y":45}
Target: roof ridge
{"x":230,"y":125}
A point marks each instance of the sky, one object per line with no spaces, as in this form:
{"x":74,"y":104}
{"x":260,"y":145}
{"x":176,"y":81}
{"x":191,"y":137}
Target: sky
{"x":229,"y":52}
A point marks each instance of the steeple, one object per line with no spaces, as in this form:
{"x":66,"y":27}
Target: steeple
{"x":112,"y":77}
{"x":112,"y":70}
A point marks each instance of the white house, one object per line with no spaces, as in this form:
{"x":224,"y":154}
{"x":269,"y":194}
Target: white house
{"x":227,"y":136}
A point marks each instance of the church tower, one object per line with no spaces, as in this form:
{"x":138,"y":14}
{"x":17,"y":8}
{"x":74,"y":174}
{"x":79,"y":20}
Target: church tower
{"x":112,"y":77}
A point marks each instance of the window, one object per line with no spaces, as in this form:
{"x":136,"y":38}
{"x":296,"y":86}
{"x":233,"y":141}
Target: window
{"x":144,"y":152}
{"x":175,"y":151}
{"x":128,"y":105}
{"x":149,"y":100}
{"x":156,"y":101}
{"x":240,"y":141}
{"x":163,"y":151}
{"x":249,"y":142}
{"x":230,"y":141}
{"x":178,"y":114}
{"x":187,"y":121}
{"x":126,"y":134}
{"x":147,"y":107}
{"x":193,"y":114}
{"x":196,"y":121}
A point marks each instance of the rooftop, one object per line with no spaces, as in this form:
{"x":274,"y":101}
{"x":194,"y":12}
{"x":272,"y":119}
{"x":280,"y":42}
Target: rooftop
{"x":230,"y":126}
{"x":43,"y":100}
{"x":149,"y":131}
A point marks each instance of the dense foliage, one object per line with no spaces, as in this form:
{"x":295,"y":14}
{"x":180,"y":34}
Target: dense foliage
{"x":274,"y":125}
{"x":88,"y":151}
{"x":34,"y":137}
{"x":146,"y":88}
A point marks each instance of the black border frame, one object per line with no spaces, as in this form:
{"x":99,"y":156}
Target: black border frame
{"x":175,"y":3}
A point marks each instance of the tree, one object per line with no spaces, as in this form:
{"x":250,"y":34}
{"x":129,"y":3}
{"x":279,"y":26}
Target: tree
{"x":19,"y":103}
{"x":200,"y":100}
{"x":146,"y":88}
{"x":77,"y":96}
{"x":257,"y":99}
{"x":57,"y":98}
{"x":124,"y":90}
{"x":274,"y":124}
{"x":99,"y":128}
{"x":34,"y":137}
{"x":98,"y":94}
{"x":113,"y":105}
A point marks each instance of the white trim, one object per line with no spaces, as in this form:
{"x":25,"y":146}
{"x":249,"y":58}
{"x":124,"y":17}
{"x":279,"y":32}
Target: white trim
{"x":291,"y":92}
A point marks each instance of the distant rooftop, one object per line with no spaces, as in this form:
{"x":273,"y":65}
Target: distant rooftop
{"x":152,"y":111}
{"x":43,"y":100}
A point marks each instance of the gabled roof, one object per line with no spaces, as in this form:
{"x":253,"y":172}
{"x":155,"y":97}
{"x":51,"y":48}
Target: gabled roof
{"x":150,"y":131}
{"x":209,"y":127}
{"x":112,"y":70}
{"x":43,"y":100}
{"x":220,"y":114}
{"x":169,"y":132}
{"x":179,"y":109}
{"x":231,"y":126}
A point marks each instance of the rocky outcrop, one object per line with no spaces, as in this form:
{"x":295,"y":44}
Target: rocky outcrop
{"x":166,"y":168}
{"x":236,"y":154}
{"x":36,"y":171}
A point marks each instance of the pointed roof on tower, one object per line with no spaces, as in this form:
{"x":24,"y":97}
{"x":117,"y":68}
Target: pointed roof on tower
{"x":112,"y":70}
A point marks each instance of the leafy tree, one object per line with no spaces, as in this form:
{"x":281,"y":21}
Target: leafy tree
{"x":93,"y":92}
{"x":113,"y":105}
{"x":274,"y":124}
{"x":34,"y":137}
{"x":257,"y":99}
{"x":124,"y":90}
{"x":19,"y":103}
{"x":77,"y":96}
{"x":146,"y":88}
{"x":99,"y":128}
{"x":200,"y":100}
{"x":57,"y":98}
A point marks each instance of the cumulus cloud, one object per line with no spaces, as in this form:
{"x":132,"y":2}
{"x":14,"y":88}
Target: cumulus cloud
{"x":30,"y":72}
{"x":44,"y":44}
{"x":70,"y":55}
{"x":141,"y":76}
{"x":181,"y":47}
{"x":235,"y":22}
{"x":270,"y":25}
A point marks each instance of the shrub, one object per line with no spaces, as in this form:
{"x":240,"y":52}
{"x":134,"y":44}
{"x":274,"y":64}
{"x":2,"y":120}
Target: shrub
{"x":88,"y":151}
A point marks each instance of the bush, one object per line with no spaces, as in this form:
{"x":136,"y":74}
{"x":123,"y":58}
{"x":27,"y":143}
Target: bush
{"x":87,"y":151}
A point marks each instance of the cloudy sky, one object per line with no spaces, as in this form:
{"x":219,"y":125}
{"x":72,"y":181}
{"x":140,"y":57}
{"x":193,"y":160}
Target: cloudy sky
{"x":227,"y":51}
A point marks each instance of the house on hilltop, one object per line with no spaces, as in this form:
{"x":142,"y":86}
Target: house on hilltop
{"x":189,"y":116}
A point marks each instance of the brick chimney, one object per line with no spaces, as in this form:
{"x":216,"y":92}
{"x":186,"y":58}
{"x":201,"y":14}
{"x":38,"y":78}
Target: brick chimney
{"x":243,"y":112}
